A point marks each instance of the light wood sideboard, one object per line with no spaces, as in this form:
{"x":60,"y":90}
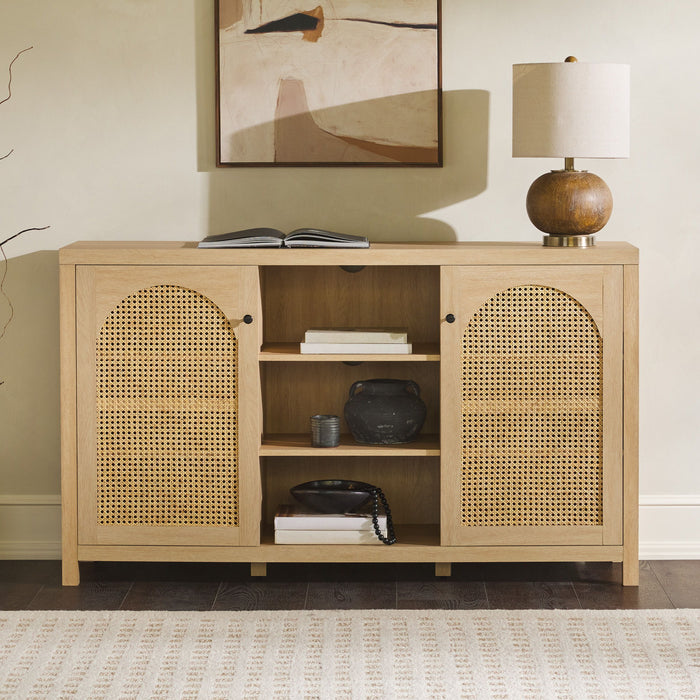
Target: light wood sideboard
{"x":185,"y":401}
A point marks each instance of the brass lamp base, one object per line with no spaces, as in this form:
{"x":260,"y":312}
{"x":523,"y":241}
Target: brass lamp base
{"x":558,"y":241}
{"x":570,"y":205}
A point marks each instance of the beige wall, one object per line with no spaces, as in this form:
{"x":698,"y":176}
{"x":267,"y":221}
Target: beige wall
{"x":112,"y":122}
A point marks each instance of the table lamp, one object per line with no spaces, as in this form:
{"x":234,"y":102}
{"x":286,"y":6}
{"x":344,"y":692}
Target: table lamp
{"x":570,"y":110}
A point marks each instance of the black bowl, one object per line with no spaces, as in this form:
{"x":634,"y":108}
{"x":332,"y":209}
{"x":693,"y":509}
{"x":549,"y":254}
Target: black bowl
{"x":332,"y":495}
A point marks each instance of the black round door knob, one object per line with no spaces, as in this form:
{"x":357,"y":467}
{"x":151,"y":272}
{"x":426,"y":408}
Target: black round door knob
{"x":247,"y":319}
{"x":450,"y":318}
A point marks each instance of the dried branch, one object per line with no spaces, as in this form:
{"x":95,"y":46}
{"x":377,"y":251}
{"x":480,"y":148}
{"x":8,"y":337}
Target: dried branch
{"x":9,"y":82}
{"x":9,"y":93}
{"x":2,"y":292}
{"x":19,"y":233}
{"x":4,"y":274}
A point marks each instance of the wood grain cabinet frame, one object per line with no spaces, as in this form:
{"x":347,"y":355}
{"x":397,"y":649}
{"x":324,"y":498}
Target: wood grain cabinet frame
{"x":185,"y":400}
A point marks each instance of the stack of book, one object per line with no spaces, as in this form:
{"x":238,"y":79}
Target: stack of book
{"x":360,"y":341}
{"x":294,"y":525}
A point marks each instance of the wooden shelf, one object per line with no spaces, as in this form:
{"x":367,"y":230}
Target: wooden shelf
{"x":299,"y":445}
{"x":289,"y":352}
{"x":408,"y":537}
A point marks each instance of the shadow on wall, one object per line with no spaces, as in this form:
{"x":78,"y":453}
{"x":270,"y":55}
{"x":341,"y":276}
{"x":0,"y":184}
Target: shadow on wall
{"x":383,"y":203}
{"x":29,"y":366}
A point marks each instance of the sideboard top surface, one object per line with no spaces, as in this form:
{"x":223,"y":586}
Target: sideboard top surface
{"x":423,"y":253}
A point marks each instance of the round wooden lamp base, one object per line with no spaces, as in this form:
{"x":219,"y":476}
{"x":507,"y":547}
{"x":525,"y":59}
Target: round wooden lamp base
{"x":570,"y":206}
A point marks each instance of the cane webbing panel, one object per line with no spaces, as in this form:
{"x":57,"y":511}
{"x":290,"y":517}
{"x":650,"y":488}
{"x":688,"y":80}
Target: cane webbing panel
{"x":166,"y":438}
{"x":531,"y":412}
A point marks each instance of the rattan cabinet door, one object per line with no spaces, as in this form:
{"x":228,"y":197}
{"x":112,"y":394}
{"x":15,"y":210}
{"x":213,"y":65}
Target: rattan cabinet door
{"x":531,"y":405}
{"x":167,"y":405}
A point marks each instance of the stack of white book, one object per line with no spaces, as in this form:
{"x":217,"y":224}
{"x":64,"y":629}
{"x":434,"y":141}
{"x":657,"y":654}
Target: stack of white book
{"x":360,"y":341}
{"x":294,"y":525}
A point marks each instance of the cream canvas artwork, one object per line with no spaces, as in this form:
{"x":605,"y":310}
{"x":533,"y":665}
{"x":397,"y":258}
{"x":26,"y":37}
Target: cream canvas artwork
{"x":345,"y":82}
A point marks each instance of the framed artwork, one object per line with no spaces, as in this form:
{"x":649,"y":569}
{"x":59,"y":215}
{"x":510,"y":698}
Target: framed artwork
{"x":345,"y":82}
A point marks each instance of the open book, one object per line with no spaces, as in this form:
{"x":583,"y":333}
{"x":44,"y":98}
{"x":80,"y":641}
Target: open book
{"x":272,"y":238}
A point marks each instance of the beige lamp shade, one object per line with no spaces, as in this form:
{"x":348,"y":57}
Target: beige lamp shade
{"x":571,"y":110}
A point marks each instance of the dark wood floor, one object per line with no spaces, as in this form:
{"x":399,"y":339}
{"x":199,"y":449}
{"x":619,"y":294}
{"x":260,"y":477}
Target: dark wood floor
{"x":36,"y":585}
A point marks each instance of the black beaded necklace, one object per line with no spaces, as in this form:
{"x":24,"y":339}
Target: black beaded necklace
{"x":377,"y":495}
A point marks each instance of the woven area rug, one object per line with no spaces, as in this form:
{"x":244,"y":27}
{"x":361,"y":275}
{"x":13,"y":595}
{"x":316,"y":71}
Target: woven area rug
{"x":351,"y":654}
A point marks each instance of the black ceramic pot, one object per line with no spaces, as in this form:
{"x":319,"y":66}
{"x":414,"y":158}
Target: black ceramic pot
{"x":384,"y":411}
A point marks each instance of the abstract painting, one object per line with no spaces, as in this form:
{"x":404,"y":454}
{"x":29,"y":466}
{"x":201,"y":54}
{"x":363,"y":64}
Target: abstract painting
{"x":344,"y":82}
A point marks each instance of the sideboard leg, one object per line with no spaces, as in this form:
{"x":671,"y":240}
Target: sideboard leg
{"x":630,"y":569}
{"x":258,"y":568}
{"x":70,"y":571}
{"x":443,"y":568}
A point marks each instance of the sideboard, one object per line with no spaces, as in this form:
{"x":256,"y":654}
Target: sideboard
{"x":185,"y":400}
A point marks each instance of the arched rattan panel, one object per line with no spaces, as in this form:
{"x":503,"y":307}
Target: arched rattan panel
{"x":167,"y":399}
{"x":532,"y":412}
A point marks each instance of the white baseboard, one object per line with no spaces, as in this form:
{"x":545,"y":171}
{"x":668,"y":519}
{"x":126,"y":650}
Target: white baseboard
{"x":669,"y":550}
{"x":30,"y":527}
{"x":669,"y":527}
{"x":30,"y":549}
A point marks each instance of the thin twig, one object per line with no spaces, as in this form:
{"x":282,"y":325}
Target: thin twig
{"x":7,"y":240}
{"x":19,"y":233}
{"x":4,"y":274}
{"x":9,"y":82}
{"x":2,"y":291}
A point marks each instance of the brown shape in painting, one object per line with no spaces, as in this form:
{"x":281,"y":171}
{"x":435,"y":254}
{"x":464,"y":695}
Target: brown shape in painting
{"x":299,"y":139}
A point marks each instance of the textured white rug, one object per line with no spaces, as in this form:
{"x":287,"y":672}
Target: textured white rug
{"x":351,"y":654}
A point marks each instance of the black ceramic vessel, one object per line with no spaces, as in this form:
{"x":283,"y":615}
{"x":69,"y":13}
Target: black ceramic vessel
{"x":384,"y":411}
{"x":332,"y":495}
